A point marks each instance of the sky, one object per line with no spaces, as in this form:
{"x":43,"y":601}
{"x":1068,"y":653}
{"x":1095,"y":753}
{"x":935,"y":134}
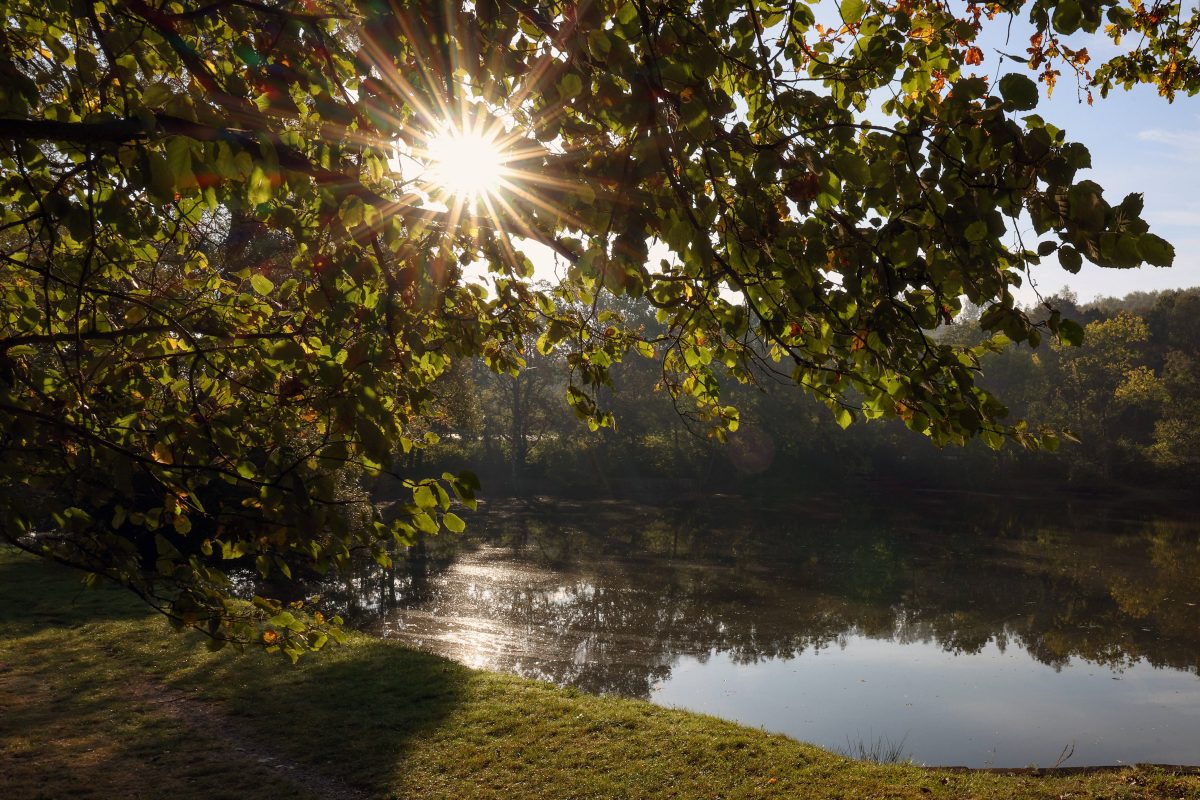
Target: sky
{"x":1139,"y":143}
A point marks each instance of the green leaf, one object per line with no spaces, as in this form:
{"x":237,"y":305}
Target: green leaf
{"x":453,"y":523}
{"x":179,"y":158}
{"x":1156,"y":250}
{"x":162,"y":180}
{"x":425,"y":523}
{"x":288,"y":350}
{"x":853,"y":168}
{"x":423,"y":496}
{"x":1070,"y":332}
{"x":599,"y":42}
{"x":1018,"y":91}
{"x":258,"y":189}
{"x":1067,"y":16}
{"x":570,"y":85}
{"x":852,"y":10}
{"x":1069,"y":259}
{"x":285,"y":619}
{"x":261,"y":283}
{"x":156,"y":94}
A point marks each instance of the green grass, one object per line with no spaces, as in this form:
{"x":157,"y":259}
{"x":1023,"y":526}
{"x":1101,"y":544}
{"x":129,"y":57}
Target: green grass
{"x":99,"y":699}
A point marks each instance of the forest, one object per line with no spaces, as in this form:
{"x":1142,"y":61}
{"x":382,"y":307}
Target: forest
{"x":1124,"y":404}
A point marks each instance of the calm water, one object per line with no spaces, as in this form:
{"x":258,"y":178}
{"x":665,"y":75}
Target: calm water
{"x":993,"y":637}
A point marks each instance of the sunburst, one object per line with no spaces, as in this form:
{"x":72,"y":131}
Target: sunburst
{"x":475,"y":164}
{"x":468,"y":165}
{"x":480,"y":166}
{"x":471,"y":160}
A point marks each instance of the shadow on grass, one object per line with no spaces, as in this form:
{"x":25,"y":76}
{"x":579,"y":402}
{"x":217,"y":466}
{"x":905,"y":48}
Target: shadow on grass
{"x":40,"y":593}
{"x":352,"y":712}
{"x":56,"y":746}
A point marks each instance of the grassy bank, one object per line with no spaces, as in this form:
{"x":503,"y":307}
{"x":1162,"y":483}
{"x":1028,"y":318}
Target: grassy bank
{"x":98,"y":699}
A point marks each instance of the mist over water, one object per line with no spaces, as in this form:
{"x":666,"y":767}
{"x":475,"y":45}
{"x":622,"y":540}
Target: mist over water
{"x":997,"y":635}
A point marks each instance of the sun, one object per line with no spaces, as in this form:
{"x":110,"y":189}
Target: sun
{"x":467,"y":165}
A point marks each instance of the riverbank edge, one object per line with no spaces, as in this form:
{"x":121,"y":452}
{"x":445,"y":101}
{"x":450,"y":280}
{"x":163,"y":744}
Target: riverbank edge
{"x":100,"y":699}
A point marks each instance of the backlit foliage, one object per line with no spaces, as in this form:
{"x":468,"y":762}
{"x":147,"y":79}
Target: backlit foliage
{"x":229,"y":282}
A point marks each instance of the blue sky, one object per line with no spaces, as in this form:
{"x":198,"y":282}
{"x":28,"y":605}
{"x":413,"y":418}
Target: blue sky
{"x":1139,"y":143}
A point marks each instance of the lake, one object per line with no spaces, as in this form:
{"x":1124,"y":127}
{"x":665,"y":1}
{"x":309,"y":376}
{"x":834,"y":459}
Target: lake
{"x":1000,"y":631}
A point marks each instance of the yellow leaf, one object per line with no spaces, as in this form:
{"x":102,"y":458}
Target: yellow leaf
{"x":162,"y":454}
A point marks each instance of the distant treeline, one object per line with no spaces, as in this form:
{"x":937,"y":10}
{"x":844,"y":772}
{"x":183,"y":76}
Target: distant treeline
{"x":1128,"y":400}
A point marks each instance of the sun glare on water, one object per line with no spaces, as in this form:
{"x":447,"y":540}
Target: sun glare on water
{"x":466,"y":165}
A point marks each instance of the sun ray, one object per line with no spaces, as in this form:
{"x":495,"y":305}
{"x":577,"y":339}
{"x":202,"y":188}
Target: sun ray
{"x":465,"y":163}
{"x":470,"y":162}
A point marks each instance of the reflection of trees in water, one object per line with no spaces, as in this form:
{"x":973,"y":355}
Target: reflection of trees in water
{"x":1137,"y":599}
{"x":606,"y":598}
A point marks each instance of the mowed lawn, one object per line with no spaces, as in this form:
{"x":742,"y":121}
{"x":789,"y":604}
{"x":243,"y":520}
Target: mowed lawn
{"x":99,"y":698}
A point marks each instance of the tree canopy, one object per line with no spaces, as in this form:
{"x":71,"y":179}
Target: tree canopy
{"x":230,"y":284}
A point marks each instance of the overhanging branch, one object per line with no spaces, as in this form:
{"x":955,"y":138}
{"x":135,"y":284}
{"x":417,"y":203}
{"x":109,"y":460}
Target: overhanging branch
{"x":132,"y":130}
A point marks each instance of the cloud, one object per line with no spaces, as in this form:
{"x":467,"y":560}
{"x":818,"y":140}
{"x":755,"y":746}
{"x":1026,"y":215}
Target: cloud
{"x":1180,"y":144}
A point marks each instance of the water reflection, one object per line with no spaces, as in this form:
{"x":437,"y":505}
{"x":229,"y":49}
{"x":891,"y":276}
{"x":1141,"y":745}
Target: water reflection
{"x":631,"y":600}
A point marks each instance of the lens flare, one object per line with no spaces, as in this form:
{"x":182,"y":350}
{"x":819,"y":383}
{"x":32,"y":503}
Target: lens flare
{"x":467,"y":165}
